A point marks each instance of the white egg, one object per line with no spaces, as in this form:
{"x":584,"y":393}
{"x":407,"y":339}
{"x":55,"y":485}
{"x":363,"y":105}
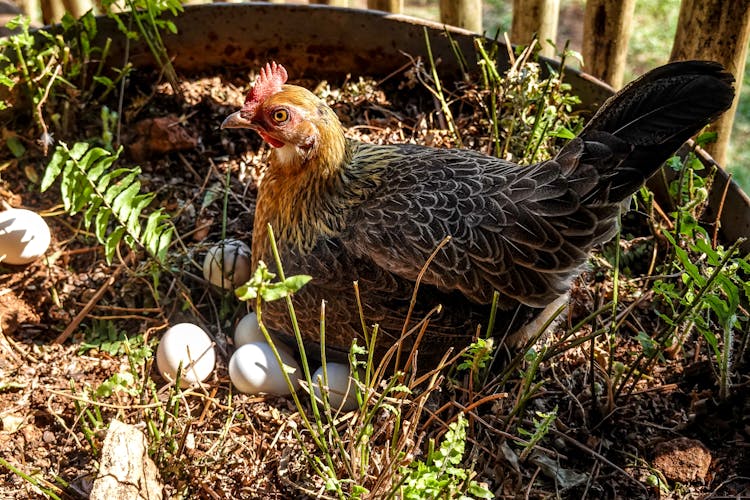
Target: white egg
{"x":24,"y":236}
{"x":186,"y":343}
{"x":227,"y":264}
{"x":341,"y":387}
{"x":248,"y":330}
{"x":254,"y":369}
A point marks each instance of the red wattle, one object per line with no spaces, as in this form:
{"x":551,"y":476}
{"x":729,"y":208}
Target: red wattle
{"x":270,"y":140}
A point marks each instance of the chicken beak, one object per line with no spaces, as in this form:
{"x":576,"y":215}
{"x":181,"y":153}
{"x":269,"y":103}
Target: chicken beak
{"x":235,"y":120}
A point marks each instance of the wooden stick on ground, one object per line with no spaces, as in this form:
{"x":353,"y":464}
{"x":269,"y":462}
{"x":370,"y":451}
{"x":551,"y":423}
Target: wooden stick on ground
{"x":93,"y":301}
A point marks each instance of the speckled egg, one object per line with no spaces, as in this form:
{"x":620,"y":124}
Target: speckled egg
{"x":227,"y":264}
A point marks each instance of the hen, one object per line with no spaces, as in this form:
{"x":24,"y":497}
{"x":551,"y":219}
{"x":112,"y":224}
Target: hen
{"x":345,"y":211}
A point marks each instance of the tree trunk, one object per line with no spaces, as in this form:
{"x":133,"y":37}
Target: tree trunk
{"x":717,"y":30}
{"x":535,"y":17}
{"x":606,"y":32}
{"x":462,"y":13}
{"x":396,"y":6}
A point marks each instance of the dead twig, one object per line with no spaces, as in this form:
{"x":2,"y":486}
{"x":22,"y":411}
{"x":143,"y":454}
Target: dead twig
{"x":720,"y":211}
{"x":46,"y":139}
{"x":598,"y":456}
{"x":75,"y":323}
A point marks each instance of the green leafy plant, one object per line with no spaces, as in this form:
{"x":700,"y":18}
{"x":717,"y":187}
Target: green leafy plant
{"x":104,"y":195}
{"x":104,"y":336}
{"x":527,"y":111}
{"x":432,"y":83}
{"x":119,"y":382}
{"x":147,"y":16}
{"x":163,"y":423}
{"x":260,"y":285}
{"x":79,"y":36}
{"x":365,"y":457}
{"x":712,"y":280}
{"x":708,"y":297}
{"x":440,"y":474}
{"x":33,"y":66}
{"x":88,"y":414}
{"x":542,"y":423}
{"x":477,"y":357}
{"x":44,"y":486}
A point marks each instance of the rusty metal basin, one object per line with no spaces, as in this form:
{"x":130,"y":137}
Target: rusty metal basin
{"x":321,"y":42}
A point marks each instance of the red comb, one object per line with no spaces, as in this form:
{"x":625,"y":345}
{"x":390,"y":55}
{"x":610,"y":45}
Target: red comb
{"x":269,"y":81}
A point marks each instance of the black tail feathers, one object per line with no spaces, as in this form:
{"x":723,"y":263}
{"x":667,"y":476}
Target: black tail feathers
{"x":652,"y":117}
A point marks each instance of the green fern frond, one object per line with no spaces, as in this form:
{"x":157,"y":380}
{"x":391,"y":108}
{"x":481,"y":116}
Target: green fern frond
{"x":107,"y":197}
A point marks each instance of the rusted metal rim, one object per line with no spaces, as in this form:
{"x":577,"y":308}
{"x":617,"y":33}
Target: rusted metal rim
{"x":317,"y":42}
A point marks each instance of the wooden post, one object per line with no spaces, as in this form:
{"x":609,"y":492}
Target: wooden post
{"x":335,"y":3}
{"x":538,"y":17}
{"x":717,"y":30}
{"x":395,"y":6}
{"x":606,"y":32}
{"x":76,"y":8}
{"x":52,"y":11}
{"x":462,"y":13}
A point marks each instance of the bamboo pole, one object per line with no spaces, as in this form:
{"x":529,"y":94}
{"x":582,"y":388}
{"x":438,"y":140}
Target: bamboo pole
{"x":76,"y":8}
{"x":606,"y":33}
{"x":395,"y":6}
{"x":462,"y":13}
{"x":52,"y":11}
{"x":535,"y":17}
{"x":717,"y":30}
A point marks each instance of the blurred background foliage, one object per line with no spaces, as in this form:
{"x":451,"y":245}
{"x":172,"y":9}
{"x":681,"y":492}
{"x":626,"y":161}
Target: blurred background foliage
{"x":650,"y":45}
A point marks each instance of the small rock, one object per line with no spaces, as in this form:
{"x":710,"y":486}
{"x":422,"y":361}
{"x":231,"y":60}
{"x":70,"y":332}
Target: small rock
{"x":682,"y":460}
{"x":202,"y":227}
{"x":12,"y":422}
{"x":125,"y":469}
{"x":160,"y":135}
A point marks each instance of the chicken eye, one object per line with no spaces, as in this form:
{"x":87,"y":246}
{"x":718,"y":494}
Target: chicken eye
{"x":280,"y":115}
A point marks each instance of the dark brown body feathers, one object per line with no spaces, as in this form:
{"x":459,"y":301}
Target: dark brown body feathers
{"x":381,"y":211}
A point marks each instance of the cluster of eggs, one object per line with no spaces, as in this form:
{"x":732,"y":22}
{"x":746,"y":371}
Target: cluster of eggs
{"x":186,"y":348}
{"x":253,"y":368}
